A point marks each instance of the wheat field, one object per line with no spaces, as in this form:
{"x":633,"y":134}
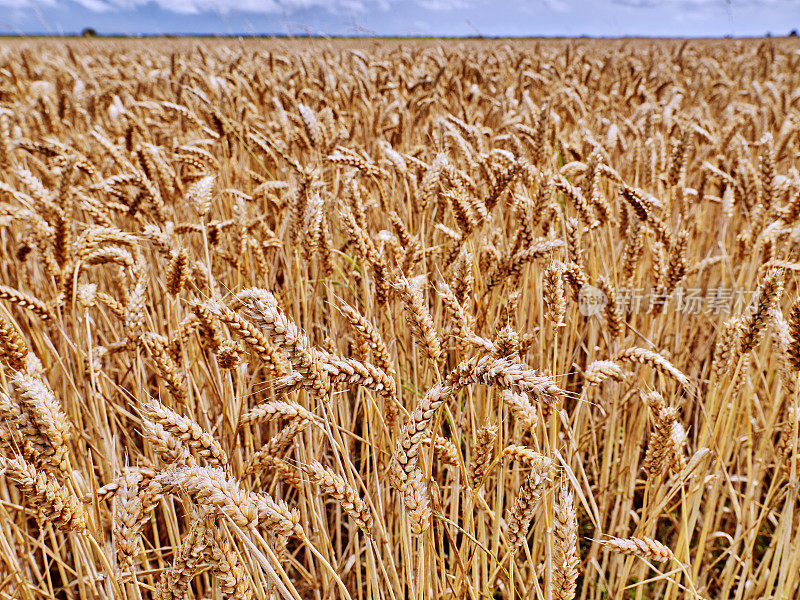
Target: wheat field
{"x":399,"y":320}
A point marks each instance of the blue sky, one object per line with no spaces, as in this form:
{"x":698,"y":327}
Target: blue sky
{"x":406,"y":17}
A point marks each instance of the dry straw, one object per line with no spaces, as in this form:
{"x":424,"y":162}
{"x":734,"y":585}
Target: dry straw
{"x":303,"y":319}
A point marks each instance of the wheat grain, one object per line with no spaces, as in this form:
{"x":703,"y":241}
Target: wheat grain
{"x":335,"y":486}
{"x":484,"y":454}
{"x":248,"y":229}
{"x":417,"y":501}
{"x":186,"y":430}
{"x":565,"y":558}
{"x":656,"y":361}
{"x":642,"y":547}
{"x":52,"y":502}
{"x":526,"y":502}
{"x":13,"y":349}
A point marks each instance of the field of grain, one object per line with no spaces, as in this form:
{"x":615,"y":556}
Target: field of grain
{"x":399,"y":320}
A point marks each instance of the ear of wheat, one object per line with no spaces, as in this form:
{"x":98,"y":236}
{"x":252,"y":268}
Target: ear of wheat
{"x":358,"y":319}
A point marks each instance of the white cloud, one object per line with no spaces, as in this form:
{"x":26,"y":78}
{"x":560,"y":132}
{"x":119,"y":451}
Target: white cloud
{"x":94,"y":5}
{"x":255,"y":6}
{"x":365,"y":6}
{"x":556,"y":5}
{"x":684,"y":11}
{"x":202,"y":6}
{"x":450,"y":17}
{"x":26,"y":3}
{"x":442,"y":5}
{"x":689,"y":4}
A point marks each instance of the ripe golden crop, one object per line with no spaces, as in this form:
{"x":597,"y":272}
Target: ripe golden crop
{"x":389,"y":320}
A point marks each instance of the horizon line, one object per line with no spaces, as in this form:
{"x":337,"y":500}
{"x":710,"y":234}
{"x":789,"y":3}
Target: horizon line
{"x":793,"y":34}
